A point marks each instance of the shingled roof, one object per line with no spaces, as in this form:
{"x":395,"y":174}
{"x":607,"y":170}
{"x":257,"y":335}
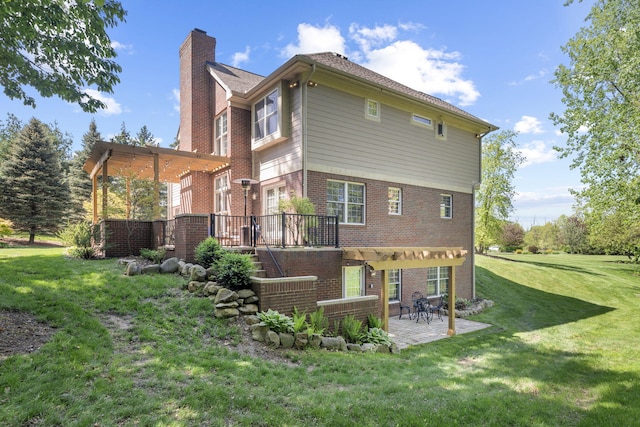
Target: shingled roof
{"x":237,"y":80}
{"x":341,"y":63}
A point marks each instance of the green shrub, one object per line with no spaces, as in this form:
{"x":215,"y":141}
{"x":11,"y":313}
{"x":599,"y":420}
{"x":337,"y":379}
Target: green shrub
{"x":374,"y":321}
{"x":376,"y":336}
{"x":299,"y":321}
{"x":318,"y":322}
{"x":154,"y":255}
{"x":276,"y":321}
{"x":233,"y":270}
{"x":82,"y":238}
{"x":533,"y":249}
{"x":208,"y":252}
{"x":352,"y":329}
{"x":519,"y":252}
{"x":5,"y":227}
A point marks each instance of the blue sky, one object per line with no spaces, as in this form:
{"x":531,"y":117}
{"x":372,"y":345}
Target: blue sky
{"x":494,"y":59}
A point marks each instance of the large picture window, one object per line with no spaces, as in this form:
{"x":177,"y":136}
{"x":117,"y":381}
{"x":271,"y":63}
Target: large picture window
{"x":437,"y":281}
{"x":352,"y":281}
{"x":346,"y":199}
{"x":266,"y":115}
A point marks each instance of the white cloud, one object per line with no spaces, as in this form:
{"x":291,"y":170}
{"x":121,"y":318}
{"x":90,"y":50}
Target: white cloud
{"x":528,"y":124}
{"x":433,"y":71}
{"x":111,"y":106}
{"x":128,"y":48}
{"x":240,"y":57}
{"x":316,"y":39}
{"x":537,"y":152}
{"x":540,"y":74}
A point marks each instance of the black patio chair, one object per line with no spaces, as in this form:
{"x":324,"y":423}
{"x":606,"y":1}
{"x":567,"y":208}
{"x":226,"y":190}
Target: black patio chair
{"x":415,"y":297}
{"x":437,"y":308}
{"x":423,"y":310}
{"x":406,"y":308}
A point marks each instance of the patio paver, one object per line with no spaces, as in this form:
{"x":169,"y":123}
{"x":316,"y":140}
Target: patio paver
{"x":405,"y":332}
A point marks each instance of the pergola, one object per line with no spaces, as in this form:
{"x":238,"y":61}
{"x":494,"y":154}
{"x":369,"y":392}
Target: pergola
{"x":144,"y":162}
{"x":390,"y":258}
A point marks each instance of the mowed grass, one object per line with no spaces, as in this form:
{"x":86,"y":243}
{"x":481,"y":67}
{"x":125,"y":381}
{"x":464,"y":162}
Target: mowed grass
{"x":138,"y":351}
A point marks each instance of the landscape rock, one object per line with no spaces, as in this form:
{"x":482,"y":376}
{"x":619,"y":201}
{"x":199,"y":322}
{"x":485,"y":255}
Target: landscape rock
{"x":170,"y":265}
{"x":245,"y":293}
{"x":251,"y":319}
{"x":301,"y":340}
{"x":333,"y":343}
{"x":286,"y":340}
{"x":226,"y":313}
{"x":248,"y":309}
{"x":368,"y":347}
{"x":211,"y":288}
{"x":133,"y":269}
{"x":354,"y":347}
{"x":225,"y":295}
{"x":150,"y":269}
{"x":314,"y":341}
{"x":198,"y":273}
{"x":232,"y":304}
{"x":272,"y":339}
{"x":258,"y":331}
{"x":186,"y":268}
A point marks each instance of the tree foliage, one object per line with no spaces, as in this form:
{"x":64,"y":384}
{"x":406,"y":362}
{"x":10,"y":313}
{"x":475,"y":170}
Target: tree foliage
{"x":33,"y":193}
{"x":601,"y":95}
{"x":59,"y":48}
{"x":512,"y":236}
{"x":79,"y":180}
{"x":500,"y":161}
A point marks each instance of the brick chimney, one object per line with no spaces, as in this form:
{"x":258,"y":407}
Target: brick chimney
{"x":196,"y":118}
{"x":196,"y":104}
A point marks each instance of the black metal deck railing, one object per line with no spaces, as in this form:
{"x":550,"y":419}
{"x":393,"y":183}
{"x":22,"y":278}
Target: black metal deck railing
{"x":278,"y":230}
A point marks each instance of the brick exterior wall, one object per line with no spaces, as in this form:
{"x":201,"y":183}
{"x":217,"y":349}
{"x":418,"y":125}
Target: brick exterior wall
{"x":360,"y":309}
{"x":285,"y":294}
{"x":123,"y":238}
{"x":190,"y":230}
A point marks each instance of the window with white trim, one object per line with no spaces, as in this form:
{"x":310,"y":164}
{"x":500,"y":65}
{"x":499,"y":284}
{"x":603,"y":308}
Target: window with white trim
{"x":446,"y":206}
{"x":352,"y":281}
{"x":437,"y":281}
{"x":395,"y":284}
{"x":221,"y":188}
{"x":346,"y":199}
{"x":265,"y":118}
{"x":220,"y":148}
{"x":272,"y":199}
{"x":395,"y":201}
{"x":372,"y":109}
{"x":419,"y":120}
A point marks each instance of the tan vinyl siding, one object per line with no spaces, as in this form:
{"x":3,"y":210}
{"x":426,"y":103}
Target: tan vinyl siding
{"x":341,"y":140}
{"x":286,"y":156}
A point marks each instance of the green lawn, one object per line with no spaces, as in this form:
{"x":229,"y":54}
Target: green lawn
{"x":563,"y":351}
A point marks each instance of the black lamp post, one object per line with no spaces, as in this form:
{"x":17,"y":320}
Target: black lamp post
{"x":246,"y":184}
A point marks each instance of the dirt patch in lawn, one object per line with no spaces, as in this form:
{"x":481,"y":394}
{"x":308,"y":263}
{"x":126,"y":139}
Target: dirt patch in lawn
{"x":21,"y":333}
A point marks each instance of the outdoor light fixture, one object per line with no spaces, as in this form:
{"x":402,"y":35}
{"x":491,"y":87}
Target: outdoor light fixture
{"x":245,"y":183}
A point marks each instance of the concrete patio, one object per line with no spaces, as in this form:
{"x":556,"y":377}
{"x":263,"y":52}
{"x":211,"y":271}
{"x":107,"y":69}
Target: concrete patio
{"x":405,"y":332}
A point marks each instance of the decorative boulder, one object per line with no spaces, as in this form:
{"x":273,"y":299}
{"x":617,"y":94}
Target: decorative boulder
{"x":333,"y":343}
{"x":170,"y":265}
{"x":272,"y":339}
{"x":151,"y":268}
{"x":258,"y":331}
{"x":368,"y":347}
{"x":226,"y":313}
{"x":225,"y":295}
{"x":248,"y":309}
{"x":302,"y":340}
{"x":286,"y":340}
{"x":251,"y":299}
{"x":354,"y":347}
{"x":133,"y":269}
{"x":211,"y":288}
{"x":195,"y":286}
{"x":251,"y":319}
{"x":198,"y":273}
{"x":315,"y":340}
{"x":186,"y":269}
{"x":245,"y":293}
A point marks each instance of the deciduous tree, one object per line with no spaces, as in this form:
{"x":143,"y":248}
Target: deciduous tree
{"x":500,"y":161}
{"x":59,"y":48}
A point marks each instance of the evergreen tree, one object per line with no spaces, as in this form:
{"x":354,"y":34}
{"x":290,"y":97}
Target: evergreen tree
{"x":79,"y":180}
{"x":8,"y":132}
{"x":32,"y":194}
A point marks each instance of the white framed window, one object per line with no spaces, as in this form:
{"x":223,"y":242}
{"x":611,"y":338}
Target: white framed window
{"x":441,"y":130}
{"x":395,"y":284}
{"x":272,"y":197}
{"x":347,"y":200}
{"x":419,"y":120}
{"x":222,"y":192}
{"x":395,"y":201}
{"x":372,"y":109}
{"x":446,"y":206}
{"x":437,"y":281}
{"x":221,"y":144}
{"x":265,"y":118}
{"x":352,"y":281}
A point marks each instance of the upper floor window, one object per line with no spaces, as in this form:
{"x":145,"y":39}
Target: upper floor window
{"x":220,"y":148}
{"x":372,"y":109}
{"x":395,"y":201}
{"x":437,"y":281}
{"x":346,"y":199}
{"x":352,"y":281}
{"x":441,"y":130}
{"x":395,"y":284}
{"x":417,"y":119}
{"x":446,"y":206}
{"x":265,"y":117}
